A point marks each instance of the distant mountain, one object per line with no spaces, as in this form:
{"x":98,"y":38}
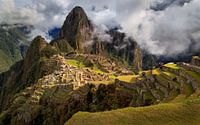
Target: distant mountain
{"x":13,"y":44}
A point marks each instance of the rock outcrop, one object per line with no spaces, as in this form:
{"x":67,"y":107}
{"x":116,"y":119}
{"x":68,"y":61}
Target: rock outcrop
{"x":34,"y":52}
{"x":196,"y":61}
{"x":77,"y":30}
{"x":62,"y":45}
{"x":120,"y":47}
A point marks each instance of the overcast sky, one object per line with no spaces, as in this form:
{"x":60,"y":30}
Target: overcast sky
{"x":159,"y":26}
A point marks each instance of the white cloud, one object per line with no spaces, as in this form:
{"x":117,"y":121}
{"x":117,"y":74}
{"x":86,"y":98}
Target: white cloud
{"x":169,"y":31}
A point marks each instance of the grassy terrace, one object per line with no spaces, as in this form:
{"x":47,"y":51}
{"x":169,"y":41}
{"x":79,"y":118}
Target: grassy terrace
{"x":172,"y":65}
{"x":176,"y":67}
{"x":148,"y":72}
{"x":128,"y":78}
{"x":185,"y":113}
{"x":76,"y":63}
{"x":103,"y":82}
{"x":170,"y":74}
{"x":194,"y":75}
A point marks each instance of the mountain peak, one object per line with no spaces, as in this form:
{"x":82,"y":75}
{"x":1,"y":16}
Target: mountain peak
{"x":78,"y":9}
{"x":34,"y":51}
{"x":77,"y":13}
{"x":77,"y":29}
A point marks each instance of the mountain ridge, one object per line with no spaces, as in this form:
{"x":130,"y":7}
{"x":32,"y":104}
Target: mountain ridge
{"x":13,"y":45}
{"x":58,"y":79}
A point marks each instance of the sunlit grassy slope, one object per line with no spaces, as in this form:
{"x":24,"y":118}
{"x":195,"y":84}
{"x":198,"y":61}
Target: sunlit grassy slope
{"x":163,"y":114}
{"x":172,"y":65}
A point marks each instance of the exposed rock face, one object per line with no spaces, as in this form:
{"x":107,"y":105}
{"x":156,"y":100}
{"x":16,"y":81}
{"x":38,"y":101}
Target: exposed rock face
{"x":99,"y":48}
{"x":33,"y":62}
{"x":149,"y":61}
{"x":62,"y":45}
{"x":34,"y":52}
{"x":196,"y":61}
{"x":125,"y":49}
{"x":77,"y":30}
{"x":137,"y":63}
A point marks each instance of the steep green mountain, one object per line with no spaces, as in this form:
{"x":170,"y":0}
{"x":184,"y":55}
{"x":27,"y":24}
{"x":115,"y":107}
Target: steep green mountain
{"x":13,"y":45}
{"x":63,"y":82}
{"x":77,"y":34}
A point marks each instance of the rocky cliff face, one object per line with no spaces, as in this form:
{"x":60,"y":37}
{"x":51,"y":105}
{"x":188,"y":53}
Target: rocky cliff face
{"x":34,"y":52}
{"x":196,"y":60}
{"x":121,"y":47}
{"x":77,"y":30}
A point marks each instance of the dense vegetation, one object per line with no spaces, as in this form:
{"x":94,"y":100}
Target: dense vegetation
{"x":13,"y":46}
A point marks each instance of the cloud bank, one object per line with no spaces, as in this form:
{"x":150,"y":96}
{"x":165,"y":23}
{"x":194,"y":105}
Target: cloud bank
{"x":162,"y":27}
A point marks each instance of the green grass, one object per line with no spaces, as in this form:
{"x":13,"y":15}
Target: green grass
{"x":128,"y":78}
{"x":150,"y":72}
{"x":103,"y":82}
{"x":170,"y":74}
{"x":97,"y":70}
{"x":76,"y":63}
{"x":156,"y":72}
{"x":172,"y":65}
{"x":187,"y":113}
{"x":194,"y":75}
{"x":5,"y":62}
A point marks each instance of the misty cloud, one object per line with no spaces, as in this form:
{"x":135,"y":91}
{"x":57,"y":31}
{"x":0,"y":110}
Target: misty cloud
{"x":170,"y":31}
{"x":159,"y":26}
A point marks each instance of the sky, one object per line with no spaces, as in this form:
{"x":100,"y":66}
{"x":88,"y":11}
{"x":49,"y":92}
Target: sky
{"x":162,"y":27}
{"x":21,"y":3}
